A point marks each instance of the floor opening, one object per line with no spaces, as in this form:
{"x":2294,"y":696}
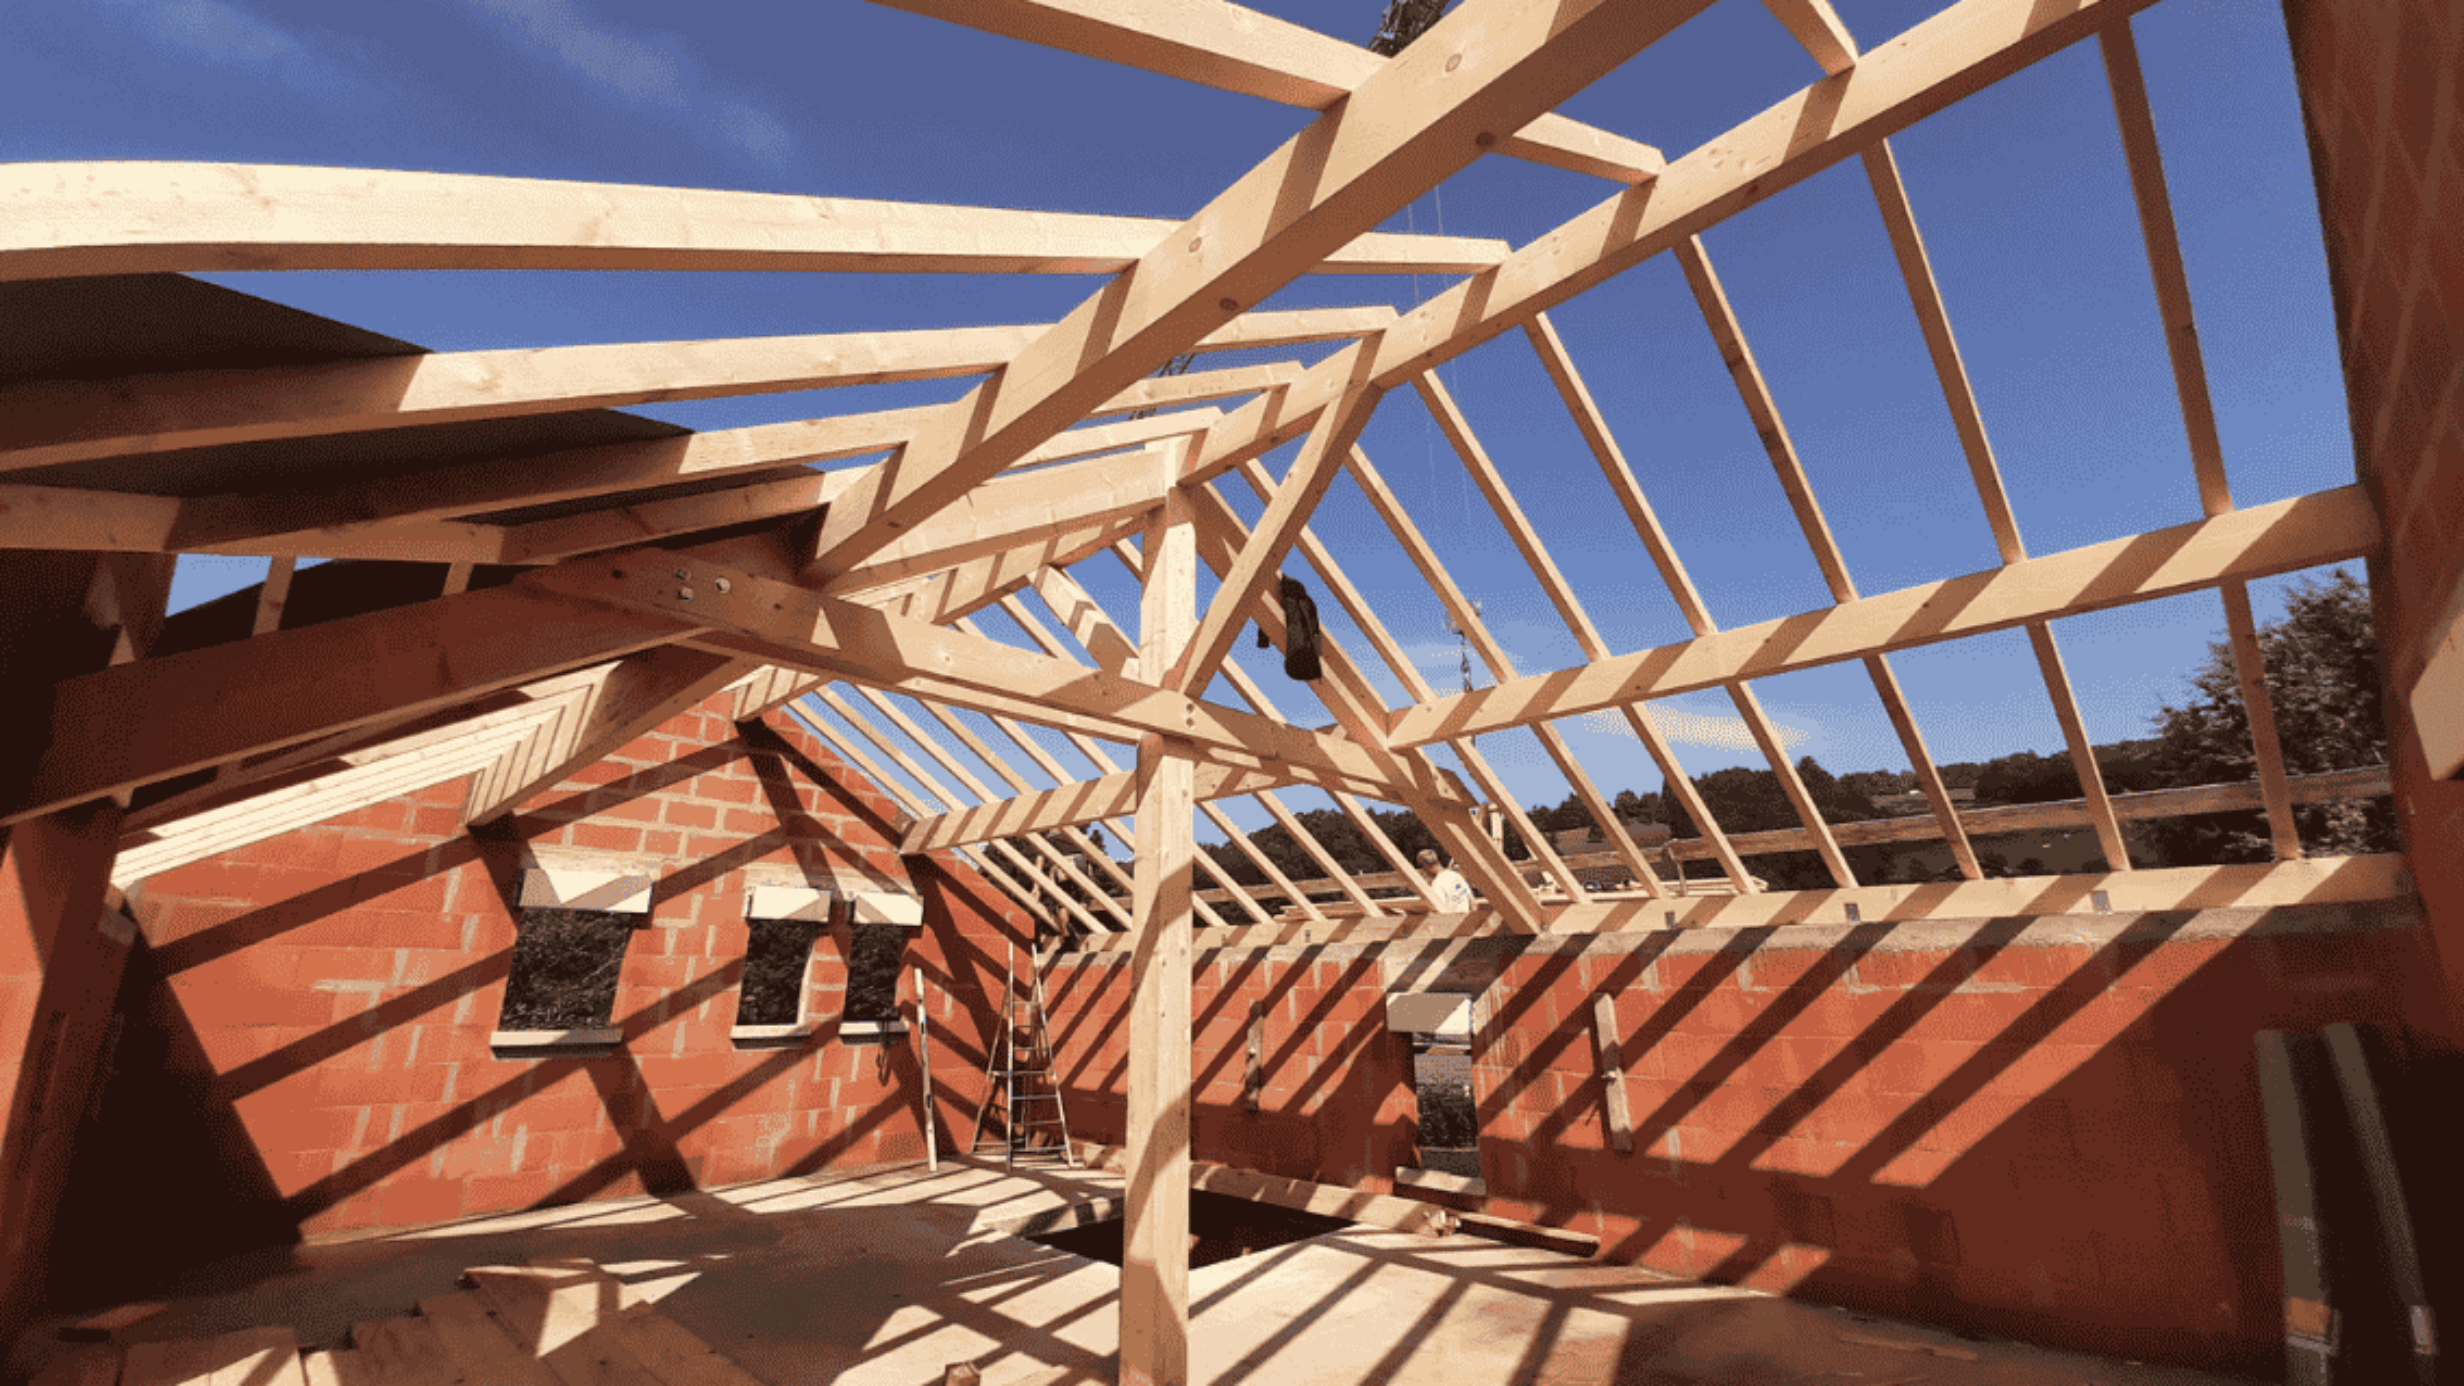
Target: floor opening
{"x":1221,"y":1228}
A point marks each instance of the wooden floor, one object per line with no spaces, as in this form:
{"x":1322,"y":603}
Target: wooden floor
{"x":892,"y":1277}
{"x":561,"y":1322}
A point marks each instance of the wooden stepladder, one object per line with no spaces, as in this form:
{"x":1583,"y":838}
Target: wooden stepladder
{"x":1019,"y":1088}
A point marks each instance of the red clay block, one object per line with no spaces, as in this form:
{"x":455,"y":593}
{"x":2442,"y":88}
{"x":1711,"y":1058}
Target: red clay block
{"x":408,"y":1200}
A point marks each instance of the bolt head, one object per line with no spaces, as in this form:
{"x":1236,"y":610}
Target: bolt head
{"x":684,"y":594}
{"x":723,"y":585}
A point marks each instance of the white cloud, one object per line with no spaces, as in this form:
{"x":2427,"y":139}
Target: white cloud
{"x":650,"y":68}
{"x":634,"y":67}
{"x":218,"y":30}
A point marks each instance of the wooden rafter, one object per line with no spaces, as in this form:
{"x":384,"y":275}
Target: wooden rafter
{"x":155,"y":218}
{"x":1053,"y":857}
{"x":1487,"y":69}
{"x":1238,"y":49}
{"x":44,"y":423}
{"x":1097,"y":756}
{"x":1340,"y":665}
{"x":1086,"y":616}
{"x":1957,"y":52}
{"x":1011,"y":871}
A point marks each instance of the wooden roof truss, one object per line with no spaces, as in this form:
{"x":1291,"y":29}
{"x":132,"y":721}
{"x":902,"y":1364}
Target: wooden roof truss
{"x":646,"y":575}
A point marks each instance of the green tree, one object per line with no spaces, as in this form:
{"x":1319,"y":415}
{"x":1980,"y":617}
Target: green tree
{"x":2323,"y":684}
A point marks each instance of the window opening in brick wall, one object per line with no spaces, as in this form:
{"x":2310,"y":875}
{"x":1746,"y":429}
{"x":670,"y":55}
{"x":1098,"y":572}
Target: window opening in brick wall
{"x":1435,"y":1030}
{"x":1441,"y":1073}
{"x":564,"y":969}
{"x":775,"y":962}
{"x":873,"y":955}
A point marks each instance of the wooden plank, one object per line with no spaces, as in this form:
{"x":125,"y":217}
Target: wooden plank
{"x":404,"y":1352}
{"x":1614,"y":1113}
{"x":1425,"y":115}
{"x":1239,"y":49}
{"x":153,"y":218}
{"x":1194,"y":387}
{"x":1154,"y":1318}
{"x":2164,"y":257}
{"x":172,"y":1362}
{"x":480,"y":1344}
{"x":674,"y":1353}
{"x":1070,"y":804}
{"x":2305,"y":531}
{"x":564,"y":1318}
{"x":1326,"y":1200}
{"x":979,"y":582}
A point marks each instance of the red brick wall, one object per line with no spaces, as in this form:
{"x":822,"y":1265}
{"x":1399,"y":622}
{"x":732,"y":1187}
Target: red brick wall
{"x":2382,"y":85}
{"x":342,"y":982}
{"x":2046,"y":1132}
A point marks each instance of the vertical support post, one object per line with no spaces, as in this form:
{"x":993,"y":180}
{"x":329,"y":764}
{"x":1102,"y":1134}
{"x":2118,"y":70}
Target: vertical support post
{"x":924,"y":1071}
{"x":1155,"y":1259}
{"x":1620,"y":1118}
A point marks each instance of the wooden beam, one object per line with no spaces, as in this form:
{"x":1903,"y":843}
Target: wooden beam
{"x":1614,"y":1114}
{"x":979,"y":582}
{"x":1957,"y":52}
{"x":643,"y":691}
{"x":1018,"y":882}
{"x":1193,"y":387}
{"x":1248,"y":692}
{"x":782,"y":624}
{"x":1238,"y":49}
{"x":1103,"y":762}
{"x":2303,"y":532}
{"x":999,"y":765}
{"x":2250,"y":670}
{"x":1010,"y":511}
{"x":2001,"y":821}
{"x":1816,"y":28}
{"x":1470,"y":845}
{"x":1244,"y":585}
{"x":308,"y":524}
{"x":1357,"y":706}
{"x":1484,"y":70}
{"x":931,"y":745}
{"x":2164,"y":258}
{"x":1155,"y":1217}
{"x":2319,"y":881}
{"x":157,"y":718}
{"x":157,"y":218}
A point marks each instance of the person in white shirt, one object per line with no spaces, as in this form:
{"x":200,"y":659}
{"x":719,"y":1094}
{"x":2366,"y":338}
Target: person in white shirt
{"x":1454,"y":894}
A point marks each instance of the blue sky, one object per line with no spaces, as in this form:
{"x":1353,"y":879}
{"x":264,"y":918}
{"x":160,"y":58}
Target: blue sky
{"x":2022,"y":194}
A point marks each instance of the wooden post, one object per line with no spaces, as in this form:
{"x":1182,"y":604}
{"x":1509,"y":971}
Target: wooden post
{"x":924,"y":1068}
{"x":1155,"y":1254}
{"x":1620,"y":1118}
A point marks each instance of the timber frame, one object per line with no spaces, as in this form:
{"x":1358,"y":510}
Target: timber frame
{"x":615,"y":572}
